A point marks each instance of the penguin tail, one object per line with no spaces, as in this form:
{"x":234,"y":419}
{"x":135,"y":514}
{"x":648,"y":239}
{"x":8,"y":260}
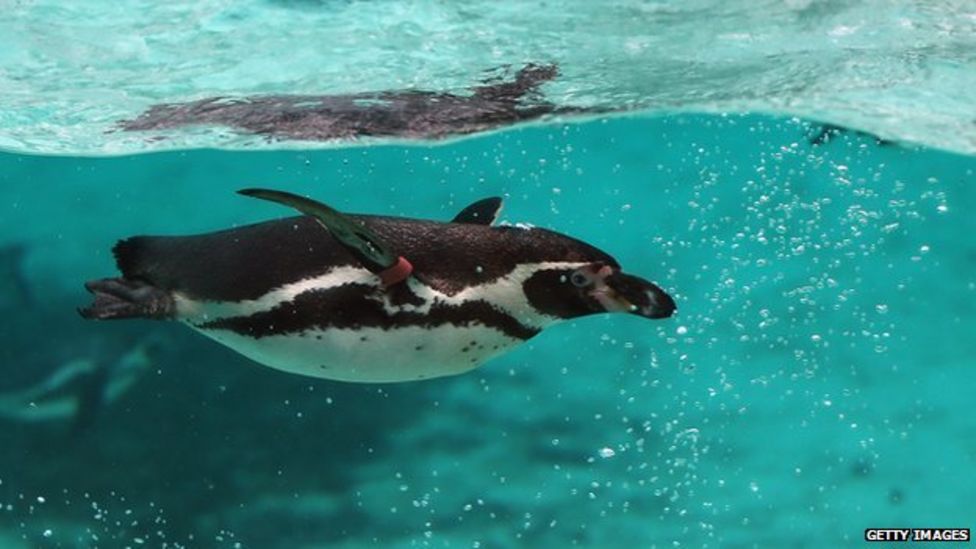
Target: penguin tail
{"x":124,"y":298}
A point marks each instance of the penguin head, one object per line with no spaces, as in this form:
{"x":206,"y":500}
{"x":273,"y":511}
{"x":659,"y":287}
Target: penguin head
{"x":595,"y":287}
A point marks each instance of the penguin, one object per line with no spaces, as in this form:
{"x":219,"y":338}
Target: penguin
{"x":366,"y":298}
{"x":78,"y":391}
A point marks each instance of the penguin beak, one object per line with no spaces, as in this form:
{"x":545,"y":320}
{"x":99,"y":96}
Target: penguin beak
{"x":626,"y":293}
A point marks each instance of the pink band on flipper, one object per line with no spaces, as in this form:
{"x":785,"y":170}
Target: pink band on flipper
{"x":397,"y":273}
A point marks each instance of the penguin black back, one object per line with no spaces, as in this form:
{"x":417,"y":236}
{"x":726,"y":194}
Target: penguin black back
{"x":246,"y":262}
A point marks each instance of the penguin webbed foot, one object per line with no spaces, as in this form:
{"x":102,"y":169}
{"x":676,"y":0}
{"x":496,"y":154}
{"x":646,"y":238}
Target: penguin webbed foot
{"x":122,"y":298}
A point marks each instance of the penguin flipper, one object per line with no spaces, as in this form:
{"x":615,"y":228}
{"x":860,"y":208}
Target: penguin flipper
{"x":358,"y":239}
{"x":482,"y":212}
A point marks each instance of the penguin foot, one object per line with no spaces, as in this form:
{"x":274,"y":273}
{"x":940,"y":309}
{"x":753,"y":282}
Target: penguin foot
{"x":121,"y":298}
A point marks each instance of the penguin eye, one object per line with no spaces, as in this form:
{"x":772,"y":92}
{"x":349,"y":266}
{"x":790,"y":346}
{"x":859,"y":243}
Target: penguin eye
{"x":579,"y":279}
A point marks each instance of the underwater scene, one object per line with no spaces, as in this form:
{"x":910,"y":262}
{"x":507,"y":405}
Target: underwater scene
{"x":404,"y":273}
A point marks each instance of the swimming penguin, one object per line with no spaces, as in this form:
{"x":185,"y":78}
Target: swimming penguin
{"x":79,"y":390}
{"x":367,"y":298}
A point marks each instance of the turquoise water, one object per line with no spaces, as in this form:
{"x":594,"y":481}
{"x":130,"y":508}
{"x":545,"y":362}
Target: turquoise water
{"x":816,"y":380}
{"x":897,"y":68}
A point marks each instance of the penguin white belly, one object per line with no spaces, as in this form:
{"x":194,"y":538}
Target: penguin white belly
{"x":373,"y":355}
